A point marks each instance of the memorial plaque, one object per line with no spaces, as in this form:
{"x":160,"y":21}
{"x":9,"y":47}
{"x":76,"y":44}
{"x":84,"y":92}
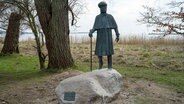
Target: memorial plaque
{"x":69,"y":96}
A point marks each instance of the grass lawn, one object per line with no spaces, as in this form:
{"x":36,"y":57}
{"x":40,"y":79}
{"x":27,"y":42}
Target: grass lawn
{"x":16,"y":67}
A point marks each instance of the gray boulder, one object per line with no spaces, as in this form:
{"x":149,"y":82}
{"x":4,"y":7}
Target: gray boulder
{"x":96,"y":87}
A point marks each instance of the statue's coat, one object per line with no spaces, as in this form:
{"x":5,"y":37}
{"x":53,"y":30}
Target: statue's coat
{"x":104,"y":23}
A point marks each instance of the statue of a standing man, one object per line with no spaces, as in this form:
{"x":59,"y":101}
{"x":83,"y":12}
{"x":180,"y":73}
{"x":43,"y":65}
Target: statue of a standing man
{"x":104,"y":23}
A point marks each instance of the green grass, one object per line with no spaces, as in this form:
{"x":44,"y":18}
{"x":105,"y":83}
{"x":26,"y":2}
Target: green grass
{"x":18,"y":67}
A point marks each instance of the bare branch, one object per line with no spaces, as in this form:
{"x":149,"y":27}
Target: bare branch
{"x":73,"y":15}
{"x":168,"y":22}
{"x":75,"y":7}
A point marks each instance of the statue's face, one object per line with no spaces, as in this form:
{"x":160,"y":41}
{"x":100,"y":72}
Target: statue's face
{"x":103,"y":9}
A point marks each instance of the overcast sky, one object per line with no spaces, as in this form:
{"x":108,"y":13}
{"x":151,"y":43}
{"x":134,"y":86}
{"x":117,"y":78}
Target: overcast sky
{"x":125,"y":12}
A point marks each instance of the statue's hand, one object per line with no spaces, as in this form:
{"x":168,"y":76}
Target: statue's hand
{"x":90,"y":34}
{"x":117,"y":39}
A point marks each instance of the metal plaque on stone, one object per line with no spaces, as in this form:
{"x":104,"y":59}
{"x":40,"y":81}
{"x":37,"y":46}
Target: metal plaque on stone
{"x":69,"y":96}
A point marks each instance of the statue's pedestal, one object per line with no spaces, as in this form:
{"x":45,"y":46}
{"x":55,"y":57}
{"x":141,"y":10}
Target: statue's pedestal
{"x":90,"y":88}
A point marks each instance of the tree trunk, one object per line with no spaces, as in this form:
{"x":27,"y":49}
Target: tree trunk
{"x":60,"y":55}
{"x":55,"y":24}
{"x":12,"y":35}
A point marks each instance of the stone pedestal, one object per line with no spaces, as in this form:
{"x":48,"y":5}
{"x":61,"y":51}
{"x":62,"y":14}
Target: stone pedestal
{"x":96,"y":87}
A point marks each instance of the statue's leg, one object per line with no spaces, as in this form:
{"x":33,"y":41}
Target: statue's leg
{"x":109,"y":59}
{"x":100,"y":62}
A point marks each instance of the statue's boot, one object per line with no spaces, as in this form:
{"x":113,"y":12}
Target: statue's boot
{"x":100,"y":62}
{"x":109,"y":61}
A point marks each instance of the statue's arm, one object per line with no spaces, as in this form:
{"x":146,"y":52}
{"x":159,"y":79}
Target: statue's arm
{"x":117,"y":34}
{"x":114,"y":25}
{"x":91,"y":32}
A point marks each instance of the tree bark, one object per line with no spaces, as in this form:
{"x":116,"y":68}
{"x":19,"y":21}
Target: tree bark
{"x":12,"y":35}
{"x":53,"y":17}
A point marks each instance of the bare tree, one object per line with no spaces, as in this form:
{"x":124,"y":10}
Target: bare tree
{"x":4,"y":15}
{"x":75,"y":8}
{"x":10,"y":21}
{"x":12,"y":34}
{"x":168,"y":22}
{"x":53,"y":17}
{"x":28,"y":10}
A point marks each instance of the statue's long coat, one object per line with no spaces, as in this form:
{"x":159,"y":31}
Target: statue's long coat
{"x":104,"y":23}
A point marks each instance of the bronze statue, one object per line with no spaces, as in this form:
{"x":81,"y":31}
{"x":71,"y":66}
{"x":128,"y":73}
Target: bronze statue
{"x":104,"y":23}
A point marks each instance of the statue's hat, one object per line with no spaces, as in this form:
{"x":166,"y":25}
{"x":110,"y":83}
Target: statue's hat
{"x":102,"y":3}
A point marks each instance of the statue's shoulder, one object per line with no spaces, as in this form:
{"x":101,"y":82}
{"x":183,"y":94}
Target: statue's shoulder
{"x":109,"y":15}
{"x":99,"y":15}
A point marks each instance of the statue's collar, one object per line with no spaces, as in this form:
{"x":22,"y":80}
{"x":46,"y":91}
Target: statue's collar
{"x":103,"y":14}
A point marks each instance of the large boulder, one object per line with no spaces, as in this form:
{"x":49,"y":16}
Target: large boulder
{"x":96,"y":87}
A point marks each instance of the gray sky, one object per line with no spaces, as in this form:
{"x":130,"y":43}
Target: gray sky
{"x":125,"y":12}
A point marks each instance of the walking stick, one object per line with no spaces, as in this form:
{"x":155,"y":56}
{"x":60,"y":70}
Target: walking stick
{"x":91,"y":53}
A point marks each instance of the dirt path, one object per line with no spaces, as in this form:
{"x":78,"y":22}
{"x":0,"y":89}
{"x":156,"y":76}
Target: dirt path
{"x":137,"y":91}
{"x":134,"y":91}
